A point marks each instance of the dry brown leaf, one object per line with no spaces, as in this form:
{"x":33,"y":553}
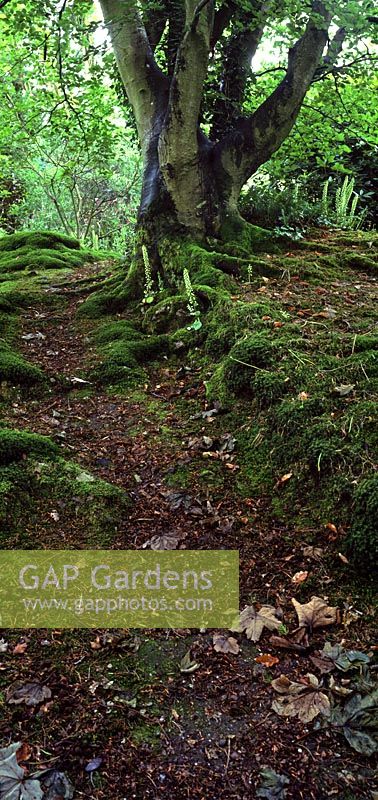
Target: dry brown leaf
{"x":253,"y":622}
{"x":312,"y":552}
{"x":315,"y":614}
{"x":297,"y":641}
{"x":20,"y":648}
{"x":23,"y":753}
{"x":164,"y":542}
{"x":331,"y":527}
{"x":343,"y":558}
{"x":225,"y":644}
{"x":32,"y":694}
{"x":286,"y":477}
{"x":96,"y":644}
{"x":302,"y":700}
{"x":299,"y":577}
{"x":267,"y":660}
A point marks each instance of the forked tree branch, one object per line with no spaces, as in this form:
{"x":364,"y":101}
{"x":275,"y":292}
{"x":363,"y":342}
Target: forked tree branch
{"x":254,"y":139}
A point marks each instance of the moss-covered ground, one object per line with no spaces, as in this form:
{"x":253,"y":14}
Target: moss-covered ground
{"x":257,"y":432}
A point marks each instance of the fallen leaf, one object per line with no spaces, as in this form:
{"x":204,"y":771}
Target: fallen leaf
{"x":29,"y":336}
{"x":334,"y":656}
{"x":344,"y":389}
{"x":312,"y":552}
{"x":338,"y":689}
{"x":3,"y":646}
{"x":13,"y":784}
{"x":267,"y":660}
{"x":79,"y":380}
{"x":85,"y":477}
{"x":23,"y":753}
{"x":331,"y":527}
{"x":56,"y":786}
{"x":297,"y":641}
{"x":301,"y":700}
{"x":299,"y":577}
{"x":96,"y":644}
{"x":315,"y":614}
{"x":358,"y":721}
{"x":186,"y":663}
{"x":285,"y":477}
{"x":303,"y":396}
{"x":343,"y":558}
{"x":32,"y":694}
{"x":54,"y":515}
{"x":164,"y":542}
{"x":20,"y":648}
{"x":253,"y":622}
{"x":273,"y":785}
{"x":225,"y":644}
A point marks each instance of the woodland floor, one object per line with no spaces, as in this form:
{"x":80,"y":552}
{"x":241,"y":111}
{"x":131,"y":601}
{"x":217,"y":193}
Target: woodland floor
{"x":119,"y":695}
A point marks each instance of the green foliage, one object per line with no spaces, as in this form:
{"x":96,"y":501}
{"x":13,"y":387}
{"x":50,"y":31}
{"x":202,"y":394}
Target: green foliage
{"x":345,"y":216}
{"x":64,"y":141}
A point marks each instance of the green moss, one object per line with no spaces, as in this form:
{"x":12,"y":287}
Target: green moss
{"x":167,"y":313}
{"x":362,"y":540}
{"x":15,"y":370}
{"x":361,"y":262}
{"x":38,"y":239}
{"x":8,"y":327}
{"x":243,"y":237}
{"x":125,"y":353}
{"x":41,"y":251}
{"x":115,"y":331}
{"x":94,"y":507}
{"x":15,"y":445}
{"x":366,"y":342}
{"x":269,"y":387}
{"x":116,"y":294}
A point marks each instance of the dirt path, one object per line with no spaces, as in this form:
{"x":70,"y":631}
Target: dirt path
{"x":119,"y":695}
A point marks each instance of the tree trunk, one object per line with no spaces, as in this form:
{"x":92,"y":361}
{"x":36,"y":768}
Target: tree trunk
{"x":196,"y":199}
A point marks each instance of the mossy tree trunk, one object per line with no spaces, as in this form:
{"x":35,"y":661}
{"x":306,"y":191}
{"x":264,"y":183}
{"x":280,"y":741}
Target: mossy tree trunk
{"x":191,"y":183}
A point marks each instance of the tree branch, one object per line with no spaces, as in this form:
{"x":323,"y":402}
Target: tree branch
{"x":155,"y":20}
{"x":253,"y":140}
{"x":186,"y":86}
{"x":222,"y":19}
{"x":144,"y":82}
{"x":237,"y":59}
{"x":178,"y":142}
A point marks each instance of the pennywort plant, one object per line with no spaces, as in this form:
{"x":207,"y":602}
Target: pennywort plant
{"x":149,"y":291}
{"x":192,"y":305}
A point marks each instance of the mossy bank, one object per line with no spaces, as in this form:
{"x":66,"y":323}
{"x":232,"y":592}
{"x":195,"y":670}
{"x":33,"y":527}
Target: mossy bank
{"x":288,"y":347}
